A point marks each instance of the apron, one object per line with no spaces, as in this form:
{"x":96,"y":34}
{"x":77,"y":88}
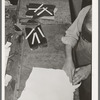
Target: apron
{"x":83,"y":53}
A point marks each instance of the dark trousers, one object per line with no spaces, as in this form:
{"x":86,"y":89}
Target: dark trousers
{"x":85,"y":89}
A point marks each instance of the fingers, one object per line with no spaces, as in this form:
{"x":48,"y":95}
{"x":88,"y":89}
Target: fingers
{"x":76,"y":79}
{"x":77,"y":69}
{"x":71,"y":73}
{"x":79,"y":76}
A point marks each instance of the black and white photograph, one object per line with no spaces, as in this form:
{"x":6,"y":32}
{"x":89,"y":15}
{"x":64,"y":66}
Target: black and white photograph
{"x":48,"y":50}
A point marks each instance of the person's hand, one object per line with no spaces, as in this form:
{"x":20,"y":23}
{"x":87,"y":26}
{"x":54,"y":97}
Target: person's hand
{"x":81,"y":74}
{"x":69,"y":69}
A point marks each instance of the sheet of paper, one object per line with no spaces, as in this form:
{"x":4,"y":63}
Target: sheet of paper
{"x":48,"y":84}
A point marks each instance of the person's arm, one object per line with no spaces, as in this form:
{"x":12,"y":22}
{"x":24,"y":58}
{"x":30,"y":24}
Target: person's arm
{"x":81,"y":73}
{"x":69,"y":65}
{"x":70,"y":40}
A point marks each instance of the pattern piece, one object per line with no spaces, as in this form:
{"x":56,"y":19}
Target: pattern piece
{"x":48,"y":84}
{"x":35,"y":37}
{"x":41,"y":10}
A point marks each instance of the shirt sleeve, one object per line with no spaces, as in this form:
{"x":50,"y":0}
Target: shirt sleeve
{"x":72,"y":34}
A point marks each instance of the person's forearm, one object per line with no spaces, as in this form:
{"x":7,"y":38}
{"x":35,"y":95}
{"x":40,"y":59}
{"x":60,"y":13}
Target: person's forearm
{"x":68,"y":51}
{"x":69,"y":65}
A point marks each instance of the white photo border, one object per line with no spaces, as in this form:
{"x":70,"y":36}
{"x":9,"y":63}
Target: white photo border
{"x":94,"y":50}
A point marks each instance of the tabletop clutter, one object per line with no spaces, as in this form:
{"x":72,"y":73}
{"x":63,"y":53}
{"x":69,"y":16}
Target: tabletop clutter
{"x":35,"y":35}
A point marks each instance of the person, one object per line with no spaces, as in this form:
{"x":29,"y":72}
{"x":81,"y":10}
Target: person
{"x":78,"y":44}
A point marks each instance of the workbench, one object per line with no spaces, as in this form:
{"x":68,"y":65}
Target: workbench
{"x":51,"y":56}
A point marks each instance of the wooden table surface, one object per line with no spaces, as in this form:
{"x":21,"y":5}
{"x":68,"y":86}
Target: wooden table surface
{"x":51,"y":56}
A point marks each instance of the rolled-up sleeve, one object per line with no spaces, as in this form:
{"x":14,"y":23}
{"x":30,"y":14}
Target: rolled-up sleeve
{"x":72,"y":33}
